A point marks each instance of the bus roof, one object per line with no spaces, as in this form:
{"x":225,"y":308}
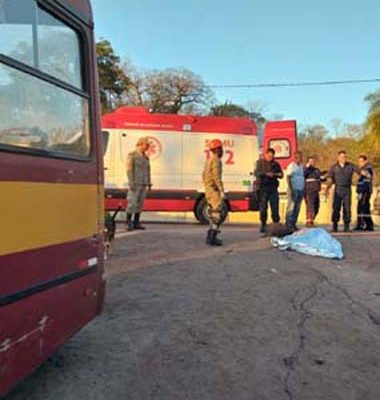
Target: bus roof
{"x":139,"y":118}
{"x":80,"y":8}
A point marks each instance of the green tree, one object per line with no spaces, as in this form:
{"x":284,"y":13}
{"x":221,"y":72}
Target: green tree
{"x":373,"y":100}
{"x":174,"y":91}
{"x":370,"y":142}
{"x":113,"y":81}
{"x":231,"y":110}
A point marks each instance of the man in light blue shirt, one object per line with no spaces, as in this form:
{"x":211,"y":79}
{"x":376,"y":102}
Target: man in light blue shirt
{"x":296,"y":186}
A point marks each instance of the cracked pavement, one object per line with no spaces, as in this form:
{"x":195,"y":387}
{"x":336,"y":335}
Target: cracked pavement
{"x":242,"y":322}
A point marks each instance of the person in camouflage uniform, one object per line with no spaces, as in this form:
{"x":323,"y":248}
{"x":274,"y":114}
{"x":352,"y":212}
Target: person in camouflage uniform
{"x":214,"y":190}
{"x":139,"y":180}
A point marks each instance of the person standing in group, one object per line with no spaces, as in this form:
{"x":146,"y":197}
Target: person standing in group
{"x":268,"y":171}
{"x":340,"y":175}
{"x":214,"y":190}
{"x":139,"y":180}
{"x":296,"y":189}
{"x":313,"y":179}
{"x":364,"y":191}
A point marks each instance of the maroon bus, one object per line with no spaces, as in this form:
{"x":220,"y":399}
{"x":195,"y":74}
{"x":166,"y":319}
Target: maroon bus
{"x":51,"y":181}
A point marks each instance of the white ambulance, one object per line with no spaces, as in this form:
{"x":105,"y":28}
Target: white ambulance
{"x":179,"y":148}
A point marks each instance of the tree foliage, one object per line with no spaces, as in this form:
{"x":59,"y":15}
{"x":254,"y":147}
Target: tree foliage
{"x":113,"y":82}
{"x":233,"y":110}
{"x":172,"y":90}
{"x":228,"y":109}
{"x":371,"y":138}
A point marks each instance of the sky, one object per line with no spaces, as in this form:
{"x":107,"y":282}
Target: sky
{"x":256,"y":41}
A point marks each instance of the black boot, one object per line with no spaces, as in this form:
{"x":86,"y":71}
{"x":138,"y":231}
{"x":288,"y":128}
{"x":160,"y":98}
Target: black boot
{"x":347,"y":227}
{"x":214,"y":241}
{"x":335,"y":227}
{"x":136,"y":222}
{"x":209,"y":237}
{"x":263,"y":228}
{"x":359,"y":224}
{"x":129,"y":222}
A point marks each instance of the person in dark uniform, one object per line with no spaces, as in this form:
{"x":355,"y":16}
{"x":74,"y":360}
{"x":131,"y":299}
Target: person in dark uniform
{"x":340,"y":175}
{"x":268,"y":172}
{"x":313,"y":179}
{"x":364,"y":191}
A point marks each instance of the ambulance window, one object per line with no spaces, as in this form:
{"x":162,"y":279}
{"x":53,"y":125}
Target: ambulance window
{"x":106,"y":139}
{"x":281,"y":147}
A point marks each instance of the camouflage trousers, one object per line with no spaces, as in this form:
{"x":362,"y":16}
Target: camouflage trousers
{"x":135,"y":199}
{"x":214,"y":201}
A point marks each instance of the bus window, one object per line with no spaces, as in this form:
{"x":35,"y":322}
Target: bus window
{"x":17,"y":24}
{"x":61,"y":61}
{"x":30,"y":35}
{"x":38,"y":115}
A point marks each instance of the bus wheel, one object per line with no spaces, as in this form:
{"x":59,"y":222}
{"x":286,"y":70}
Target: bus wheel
{"x":201,"y":211}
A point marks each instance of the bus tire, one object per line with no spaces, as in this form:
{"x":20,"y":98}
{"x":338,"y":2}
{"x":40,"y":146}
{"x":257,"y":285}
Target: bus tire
{"x":201,"y":211}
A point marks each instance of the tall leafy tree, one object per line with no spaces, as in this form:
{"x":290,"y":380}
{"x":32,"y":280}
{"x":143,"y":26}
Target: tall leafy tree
{"x":173,"y":90}
{"x":113,"y":81}
{"x":371,"y":139}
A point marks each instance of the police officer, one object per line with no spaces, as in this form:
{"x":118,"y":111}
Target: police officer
{"x":139,"y":180}
{"x":214,"y":190}
{"x":268,"y":172}
{"x":313,"y":179}
{"x":364,"y":191}
{"x":341,"y":174}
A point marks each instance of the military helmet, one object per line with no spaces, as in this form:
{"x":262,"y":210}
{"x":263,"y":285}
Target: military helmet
{"x":215,"y":144}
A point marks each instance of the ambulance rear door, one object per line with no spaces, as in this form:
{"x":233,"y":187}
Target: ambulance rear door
{"x":282,"y":137}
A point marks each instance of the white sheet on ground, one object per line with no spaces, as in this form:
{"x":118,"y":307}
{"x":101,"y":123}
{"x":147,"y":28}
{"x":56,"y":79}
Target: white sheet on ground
{"x":314,"y":242}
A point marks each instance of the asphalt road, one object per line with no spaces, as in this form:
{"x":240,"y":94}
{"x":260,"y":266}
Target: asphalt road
{"x":241,"y":322}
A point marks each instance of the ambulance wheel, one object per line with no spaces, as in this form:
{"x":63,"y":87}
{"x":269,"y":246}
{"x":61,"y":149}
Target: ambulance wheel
{"x":201,"y":211}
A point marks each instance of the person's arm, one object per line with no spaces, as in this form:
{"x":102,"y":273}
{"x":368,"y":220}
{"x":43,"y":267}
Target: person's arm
{"x":288,"y":173}
{"x":279,"y":174}
{"x":149,"y":176}
{"x":217,"y":175}
{"x":330,"y":180}
{"x":131,"y":172}
{"x":259,"y":171}
{"x":370,"y":173}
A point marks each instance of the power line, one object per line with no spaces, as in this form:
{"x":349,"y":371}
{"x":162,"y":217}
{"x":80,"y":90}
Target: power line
{"x":293,"y":84}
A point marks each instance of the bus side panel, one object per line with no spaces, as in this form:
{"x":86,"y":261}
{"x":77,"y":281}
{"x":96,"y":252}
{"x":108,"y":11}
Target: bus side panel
{"x":29,"y":334}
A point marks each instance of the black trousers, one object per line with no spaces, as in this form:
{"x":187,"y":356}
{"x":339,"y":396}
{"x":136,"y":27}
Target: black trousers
{"x":269,"y":195}
{"x":312,"y":204}
{"x":342,"y":198}
{"x":364,"y":211}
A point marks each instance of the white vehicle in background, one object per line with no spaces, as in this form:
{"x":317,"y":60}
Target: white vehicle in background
{"x":179,"y":147}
